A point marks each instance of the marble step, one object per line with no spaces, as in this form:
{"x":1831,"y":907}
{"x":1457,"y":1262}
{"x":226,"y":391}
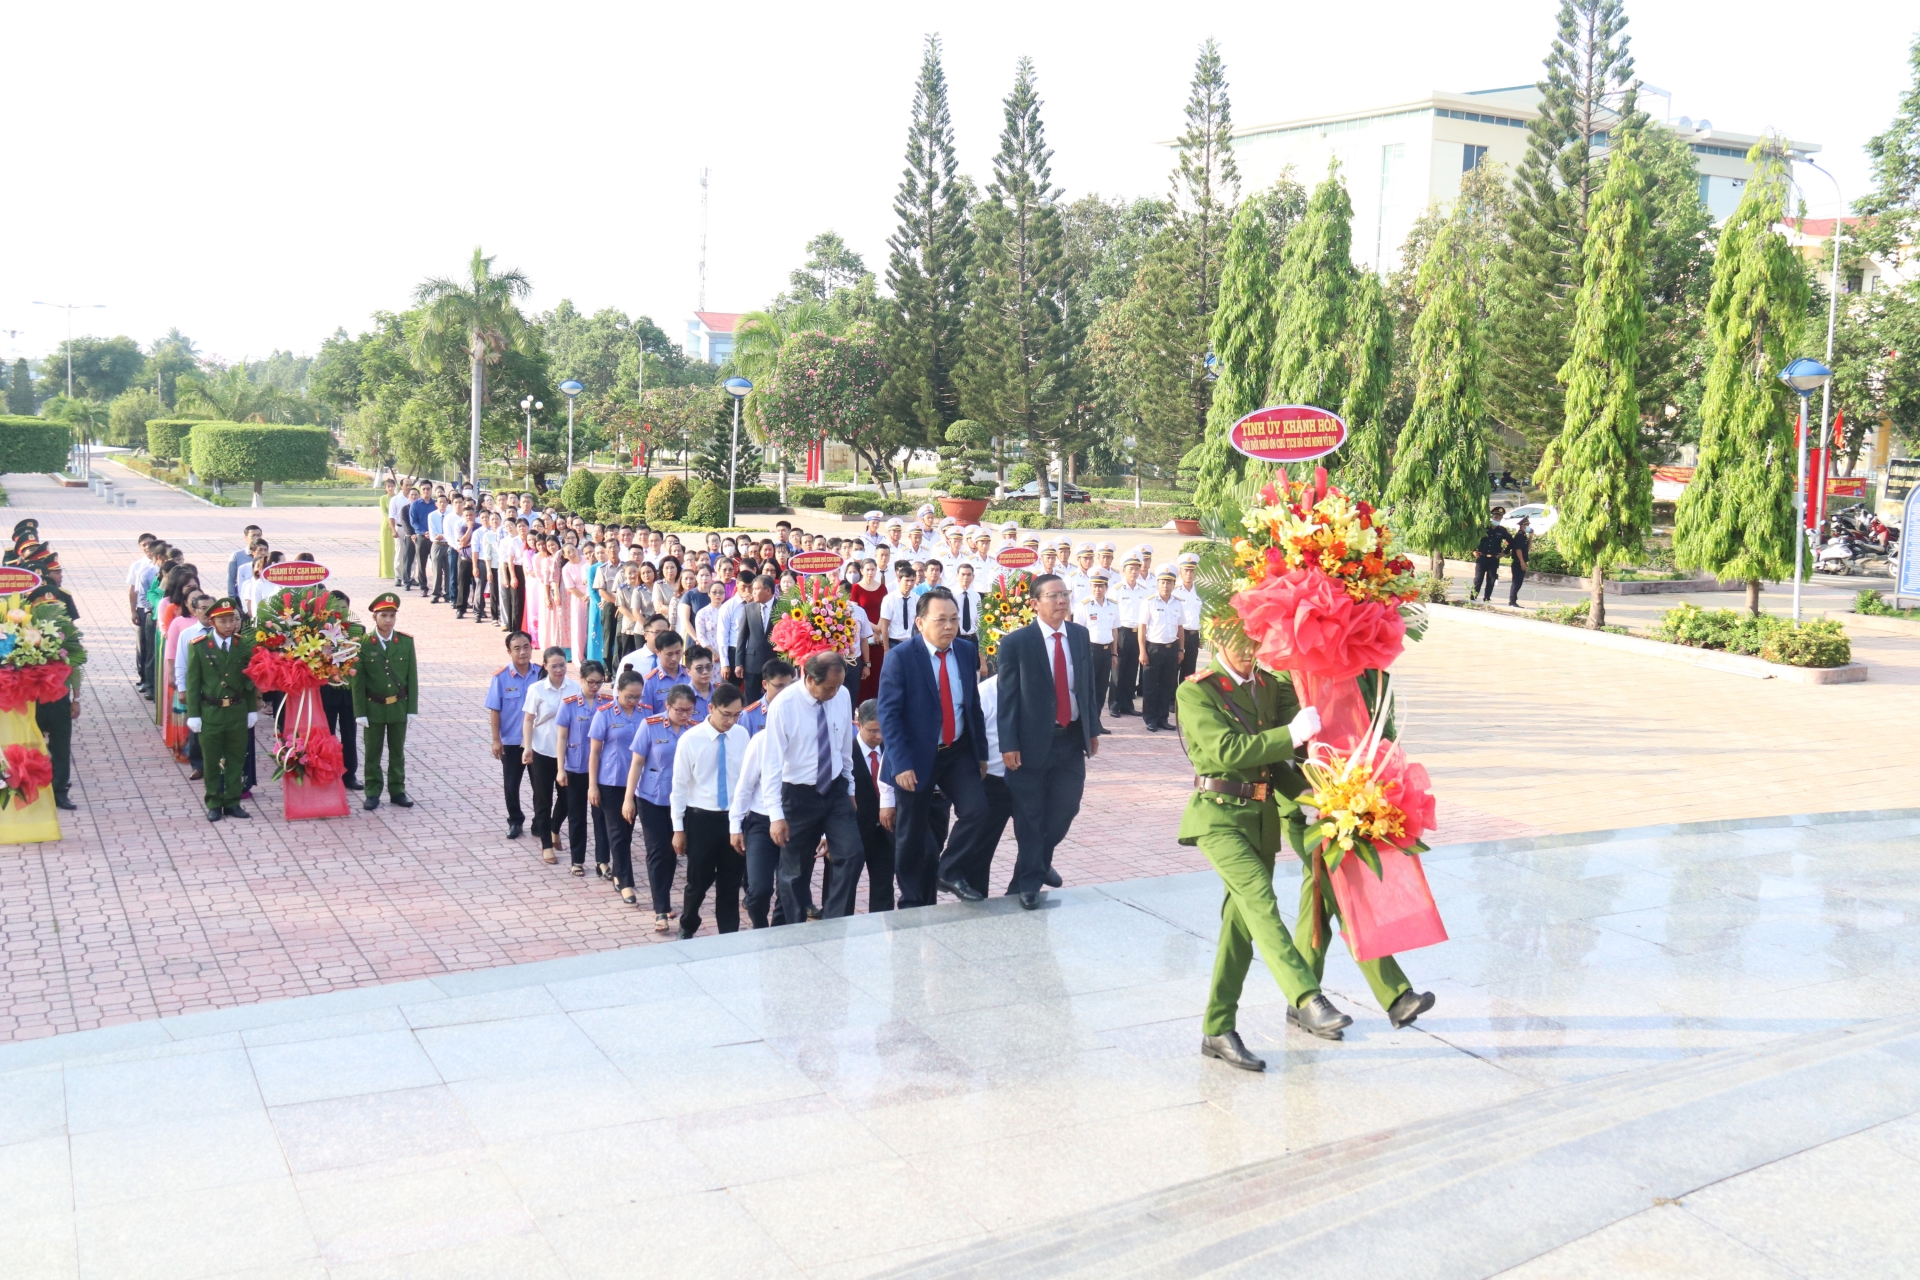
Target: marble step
{"x":1472,"y":1194}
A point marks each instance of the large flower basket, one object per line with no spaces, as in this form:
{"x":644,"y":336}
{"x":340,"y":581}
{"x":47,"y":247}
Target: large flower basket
{"x":28,"y":816}
{"x":965,"y":510}
{"x":308,"y":760}
{"x":1386,"y":914}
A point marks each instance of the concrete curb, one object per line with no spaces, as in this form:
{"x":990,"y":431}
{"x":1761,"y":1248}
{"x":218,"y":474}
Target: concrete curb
{"x":1712,"y":659}
{"x":1639,"y":587}
{"x":1876,"y":625}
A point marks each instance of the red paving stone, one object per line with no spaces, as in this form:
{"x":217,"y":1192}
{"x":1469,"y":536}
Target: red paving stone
{"x":144,"y":909}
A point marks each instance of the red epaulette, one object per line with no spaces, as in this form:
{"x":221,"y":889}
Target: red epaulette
{"x":755,"y":706}
{"x":402,"y":635}
{"x":659,"y":719}
{"x":1198,"y":676}
{"x":502,"y":671}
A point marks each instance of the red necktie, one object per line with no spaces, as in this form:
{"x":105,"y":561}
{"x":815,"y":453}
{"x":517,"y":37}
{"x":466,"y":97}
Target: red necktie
{"x":947,"y":730}
{"x":873,"y":764}
{"x":1062,"y":704}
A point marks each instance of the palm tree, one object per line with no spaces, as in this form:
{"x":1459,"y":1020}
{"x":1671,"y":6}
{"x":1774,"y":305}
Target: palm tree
{"x":232,"y":396}
{"x":87,"y":419}
{"x":757,"y":339}
{"x":480,"y":314}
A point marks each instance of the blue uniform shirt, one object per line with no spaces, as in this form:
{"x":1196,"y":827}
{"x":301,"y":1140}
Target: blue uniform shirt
{"x":417,"y":513}
{"x":754,"y":718}
{"x":653,"y":694}
{"x":658,"y":740}
{"x":508,"y":695}
{"x":614,"y":730}
{"x":576,"y":717}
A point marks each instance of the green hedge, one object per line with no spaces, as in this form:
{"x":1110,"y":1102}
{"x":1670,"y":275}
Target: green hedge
{"x":1806,"y":644}
{"x":33,"y":444}
{"x":167,"y":436}
{"x":853,"y":504}
{"x":709,"y":506}
{"x":667,"y":500}
{"x":608,"y":494}
{"x":259,"y":452}
{"x":577,"y":494}
{"x":749,"y":496}
{"x":816,"y":498}
{"x":633,"y":505}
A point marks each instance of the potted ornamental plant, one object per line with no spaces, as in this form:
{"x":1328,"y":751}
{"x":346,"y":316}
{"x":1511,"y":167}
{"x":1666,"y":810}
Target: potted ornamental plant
{"x":968,"y":446}
{"x":1186,"y":520}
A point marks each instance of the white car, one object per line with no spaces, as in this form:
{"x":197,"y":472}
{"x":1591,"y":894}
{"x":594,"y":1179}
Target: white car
{"x":1540,"y":518}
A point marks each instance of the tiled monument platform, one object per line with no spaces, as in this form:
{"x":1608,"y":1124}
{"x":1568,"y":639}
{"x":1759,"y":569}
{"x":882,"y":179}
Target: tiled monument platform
{"x":1683,"y":1052}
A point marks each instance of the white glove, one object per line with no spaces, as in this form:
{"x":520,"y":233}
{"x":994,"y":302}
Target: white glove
{"x":412,"y":714}
{"x":193,"y":724}
{"x":361,"y":721}
{"x":253,"y":718}
{"x":1304,"y":725}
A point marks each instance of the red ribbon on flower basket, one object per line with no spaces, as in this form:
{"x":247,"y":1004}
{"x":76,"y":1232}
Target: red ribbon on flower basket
{"x":308,"y":761}
{"x":28,"y":770}
{"x":273,"y":673}
{"x":43,"y":682}
{"x":817,"y":619}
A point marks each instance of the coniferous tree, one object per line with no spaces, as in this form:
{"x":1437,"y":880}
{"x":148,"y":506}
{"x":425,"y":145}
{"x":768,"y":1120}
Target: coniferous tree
{"x":1016,"y":374}
{"x":1206,"y":183}
{"x":20,"y":389}
{"x":1594,"y":471}
{"x":927,"y":269}
{"x":1367,"y":354}
{"x":1315,"y":281}
{"x":1586,"y":90}
{"x":1439,"y":490}
{"x":1736,"y":518}
{"x":1242,"y":333}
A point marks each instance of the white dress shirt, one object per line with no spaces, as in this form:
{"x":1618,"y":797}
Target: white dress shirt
{"x":543,"y":704}
{"x":1129,"y":598}
{"x":792,"y":738}
{"x":967,"y":600}
{"x":1189,"y":599}
{"x":188,"y":634}
{"x":749,"y":792}
{"x":896,"y":615}
{"x":1162,"y":620}
{"x":990,"y":713}
{"x":874,"y":756}
{"x":1066,"y":652}
{"x":696,"y":773}
{"x":1099,"y":619}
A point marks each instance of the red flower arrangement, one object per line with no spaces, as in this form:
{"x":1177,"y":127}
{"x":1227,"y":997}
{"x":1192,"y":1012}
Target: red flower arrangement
{"x":19,"y":686}
{"x":27,"y":771}
{"x":1303,"y":620}
{"x":311,"y":756}
{"x":818,"y":620}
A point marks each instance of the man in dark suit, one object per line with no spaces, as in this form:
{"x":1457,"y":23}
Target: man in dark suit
{"x":752,"y":645}
{"x":1049,"y":725}
{"x":873,"y":805}
{"x":936,"y":744}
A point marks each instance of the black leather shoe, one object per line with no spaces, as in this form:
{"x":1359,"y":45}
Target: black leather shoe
{"x":350,"y":782}
{"x":1409,"y":1005}
{"x":61,"y":802}
{"x":513,"y":831}
{"x":400,"y":798}
{"x":371,"y":802}
{"x":1050,"y":878}
{"x":235,"y":811}
{"x":1031,"y":900}
{"x":961,"y":890}
{"x":214,"y":814}
{"x":1317,"y":1016}
{"x":1230,"y":1050}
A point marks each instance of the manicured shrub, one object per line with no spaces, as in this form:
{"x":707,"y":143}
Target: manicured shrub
{"x":166,"y":437}
{"x":258,"y":452}
{"x":609,"y":493}
{"x":853,"y":504}
{"x":815,"y":498}
{"x":634,"y":505}
{"x":667,"y":500}
{"x":1020,"y":473}
{"x":709,"y":506}
{"x":33,"y":444}
{"x":578,"y":493}
{"x":1809,"y":644}
{"x":752,"y":497}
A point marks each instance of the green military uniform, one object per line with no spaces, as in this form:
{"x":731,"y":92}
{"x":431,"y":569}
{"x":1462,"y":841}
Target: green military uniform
{"x":386,"y":690}
{"x":221,"y":696}
{"x":1236,"y":733}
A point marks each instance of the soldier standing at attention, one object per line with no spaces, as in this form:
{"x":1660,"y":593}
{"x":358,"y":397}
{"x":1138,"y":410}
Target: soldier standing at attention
{"x":222,"y":706}
{"x":386,"y":695}
{"x":1486,"y":556}
{"x":1244,"y":728}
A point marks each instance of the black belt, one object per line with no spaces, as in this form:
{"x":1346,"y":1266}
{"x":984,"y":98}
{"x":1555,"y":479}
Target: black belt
{"x":1227,"y":787}
{"x":955,"y":745}
{"x":387,"y":702}
{"x":225,"y":702}
{"x":1071,"y":726}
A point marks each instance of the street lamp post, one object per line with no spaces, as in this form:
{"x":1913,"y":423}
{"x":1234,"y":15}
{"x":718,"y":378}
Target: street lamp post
{"x":529,"y":405}
{"x":737,"y":387}
{"x":1805,"y":377}
{"x":1833,"y":287}
{"x":572,"y":389}
{"x":71,"y":307}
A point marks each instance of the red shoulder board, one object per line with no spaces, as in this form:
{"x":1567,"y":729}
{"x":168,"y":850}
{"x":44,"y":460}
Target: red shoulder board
{"x":753,"y":706}
{"x":1198,"y":676}
{"x":502,"y":671}
{"x":660,"y":719}
{"x":402,"y":635}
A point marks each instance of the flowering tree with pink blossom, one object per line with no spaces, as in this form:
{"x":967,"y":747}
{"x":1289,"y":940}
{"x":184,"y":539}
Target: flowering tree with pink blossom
{"x":825,"y":387}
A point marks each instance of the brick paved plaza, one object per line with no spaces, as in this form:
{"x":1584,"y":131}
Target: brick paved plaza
{"x":146,"y":910}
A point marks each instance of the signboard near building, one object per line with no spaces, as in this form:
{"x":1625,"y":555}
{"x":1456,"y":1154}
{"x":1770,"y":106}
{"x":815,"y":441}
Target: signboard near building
{"x":1902,"y":475}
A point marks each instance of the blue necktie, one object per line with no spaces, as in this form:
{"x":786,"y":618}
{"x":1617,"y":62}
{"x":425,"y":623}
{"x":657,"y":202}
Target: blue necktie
{"x":823,"y":765}
{"x":723,"y":771}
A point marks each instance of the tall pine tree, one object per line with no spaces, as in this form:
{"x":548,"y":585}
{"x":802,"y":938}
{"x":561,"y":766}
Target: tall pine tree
{"x":1242,"y":333}
{"x":1594,"y":471}
{"x":1439,"y":489}
{"x":1017,"y":375}
{"x":20,"y":389}
{"x":1316,"y":279}
{"x":1367,"y":354}
{"x":927,"y":267}
{"x":1586,"y":91}
{"x":1736,"y":518}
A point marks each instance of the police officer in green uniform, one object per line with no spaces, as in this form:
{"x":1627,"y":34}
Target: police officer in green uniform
{"x":386,"y":694}
{"x":56,"y":718}
{"x":222,"y":706}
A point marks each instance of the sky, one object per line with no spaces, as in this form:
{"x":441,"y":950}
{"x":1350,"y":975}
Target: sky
{"x":260,"y":175}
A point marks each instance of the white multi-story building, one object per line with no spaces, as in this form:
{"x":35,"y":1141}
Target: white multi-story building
{"x":1401,"y":158}
{"x":710,"y":335}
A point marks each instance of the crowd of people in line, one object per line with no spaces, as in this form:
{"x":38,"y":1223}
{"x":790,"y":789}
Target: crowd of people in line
{"x":640,"y":709}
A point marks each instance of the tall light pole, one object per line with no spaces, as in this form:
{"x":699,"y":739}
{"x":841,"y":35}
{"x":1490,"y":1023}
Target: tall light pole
{"x":529,"y":405}
{"x":737,"y":387}
{"x":1805,"y":377}
{"x":572,"y":389}
{"x":86,"y":465}
{"x":1833,"y":286}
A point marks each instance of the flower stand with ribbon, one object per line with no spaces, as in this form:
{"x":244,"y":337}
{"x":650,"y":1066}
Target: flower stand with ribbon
{"x":33,"y":670}
{"x":308,"y":761}
{"x":301,"y":642}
